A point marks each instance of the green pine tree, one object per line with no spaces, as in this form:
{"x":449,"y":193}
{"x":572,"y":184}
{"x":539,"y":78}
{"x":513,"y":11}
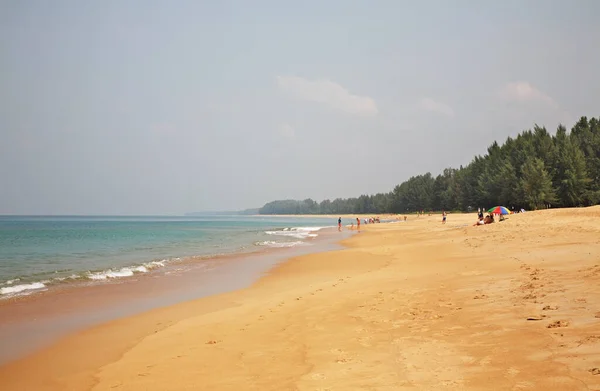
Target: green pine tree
{"x":570,"y":176}
{"x":536,"y":184}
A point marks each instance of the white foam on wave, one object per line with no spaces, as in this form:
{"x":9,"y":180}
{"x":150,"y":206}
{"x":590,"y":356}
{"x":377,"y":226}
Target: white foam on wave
{"x":270,"y":243}
{"x":71,"y":277}
{"x":156,"y":264}
{"x":127,"y":271}
{"x":309,"y":229}
{"x":20,"y":288}
{"x":297,"y":235}
{"x":7,"y":287}
{"x":104,"y":275}
{"x":120,"y":273}
{"x":297,"y":232}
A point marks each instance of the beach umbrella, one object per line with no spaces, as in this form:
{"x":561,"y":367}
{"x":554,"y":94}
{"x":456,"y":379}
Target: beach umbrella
{"x":499,"y":210}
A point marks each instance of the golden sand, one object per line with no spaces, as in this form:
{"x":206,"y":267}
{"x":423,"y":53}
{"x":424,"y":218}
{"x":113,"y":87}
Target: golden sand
{"x":407,"y":306}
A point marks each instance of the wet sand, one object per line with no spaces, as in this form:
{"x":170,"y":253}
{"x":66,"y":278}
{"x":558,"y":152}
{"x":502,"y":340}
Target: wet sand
{"x":416,"y":306}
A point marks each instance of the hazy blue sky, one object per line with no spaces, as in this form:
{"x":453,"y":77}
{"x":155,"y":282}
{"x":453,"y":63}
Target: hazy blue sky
{"x":163,"y":107}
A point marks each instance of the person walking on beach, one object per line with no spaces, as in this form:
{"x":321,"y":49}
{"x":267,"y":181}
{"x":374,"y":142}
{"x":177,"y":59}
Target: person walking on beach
{"x":444,"y":217}
{"x":358,"y":223}
{"x":340,"y":224}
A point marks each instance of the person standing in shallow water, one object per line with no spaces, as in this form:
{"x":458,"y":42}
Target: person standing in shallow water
{"x":358,"y":223}
{"x":340,"y":224}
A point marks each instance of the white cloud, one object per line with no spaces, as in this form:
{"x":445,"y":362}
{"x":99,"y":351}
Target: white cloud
{"x":287,"y":130}
{"x":429,"y":104}
{"x":327,"y":93}
{"x":523,"y":91}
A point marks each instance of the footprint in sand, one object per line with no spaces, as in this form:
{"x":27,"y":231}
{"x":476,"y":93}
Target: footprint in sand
{"x":589,"y":339}
{"x":527,"y":286}
{"x":525,"y":266}
{"x":550,"y":308}
{"x":342,"y":356}
{"x":594,"y":371}
{"x":343,"y":360}
{"x":558,"y":323}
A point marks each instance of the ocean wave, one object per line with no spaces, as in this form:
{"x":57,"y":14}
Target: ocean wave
{"x":127,"y":271}
{"x":11,"y":290}
{"x":297,"y":232}
{"x":10,"y":282}
{"x":106,"y":274}
{"x":309,"y":229}
{"x":71,"y":277}
{"x":270,"y":243}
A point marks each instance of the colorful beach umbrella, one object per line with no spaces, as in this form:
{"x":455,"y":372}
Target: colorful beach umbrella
{"x":499,"y":210}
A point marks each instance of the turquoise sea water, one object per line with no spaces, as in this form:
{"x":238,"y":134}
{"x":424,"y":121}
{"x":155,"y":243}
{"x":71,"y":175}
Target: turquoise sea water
{"x":37,"y":252}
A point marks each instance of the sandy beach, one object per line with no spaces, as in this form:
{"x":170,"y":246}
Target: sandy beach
{"x":413,"y":305}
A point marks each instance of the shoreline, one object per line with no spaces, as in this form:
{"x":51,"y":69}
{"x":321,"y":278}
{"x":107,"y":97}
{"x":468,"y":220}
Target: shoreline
{"x":402,"y":306}
{"x":101,"y":267}
{"x":166,"y":267}
{"x":31,"y":322}
{"x":389,"y":216}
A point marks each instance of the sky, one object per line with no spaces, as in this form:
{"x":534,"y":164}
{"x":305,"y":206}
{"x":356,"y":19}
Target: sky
{"x":143,"y":107}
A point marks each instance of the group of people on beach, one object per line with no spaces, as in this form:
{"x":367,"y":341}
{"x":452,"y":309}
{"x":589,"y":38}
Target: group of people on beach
{"x":488,"y":219}
{"x":369,"y":220}
{"x":481,"y":219}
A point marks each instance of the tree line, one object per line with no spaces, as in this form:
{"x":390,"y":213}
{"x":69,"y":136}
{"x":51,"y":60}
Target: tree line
{"x":531,"y":171}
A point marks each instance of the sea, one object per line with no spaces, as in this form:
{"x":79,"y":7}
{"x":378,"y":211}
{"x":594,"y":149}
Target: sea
{"x":39,"y":252}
